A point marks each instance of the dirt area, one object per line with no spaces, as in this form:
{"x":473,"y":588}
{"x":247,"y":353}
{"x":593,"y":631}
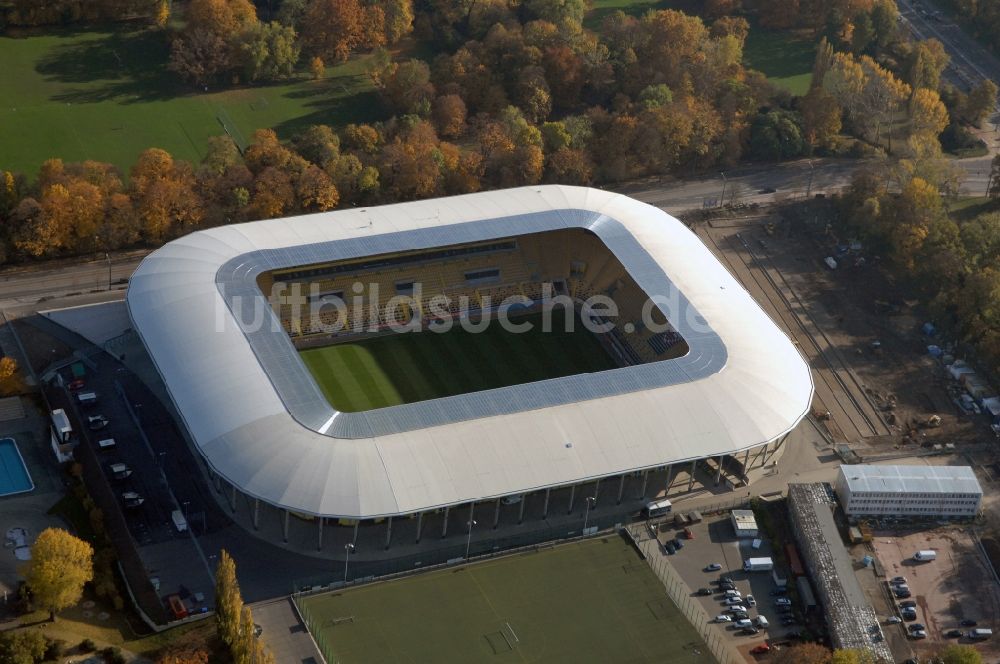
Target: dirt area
{"x":957,"y":586}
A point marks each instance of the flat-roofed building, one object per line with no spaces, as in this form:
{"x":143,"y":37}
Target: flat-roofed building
{"x":744,"y":523}
{"x":951,"y":492}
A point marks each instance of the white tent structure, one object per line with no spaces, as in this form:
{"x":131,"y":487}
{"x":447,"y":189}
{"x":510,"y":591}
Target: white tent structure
{"x":261,"y":424}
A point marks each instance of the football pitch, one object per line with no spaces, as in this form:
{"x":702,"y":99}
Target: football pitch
{"x":408,"y":367}
{"x":591,"y":601}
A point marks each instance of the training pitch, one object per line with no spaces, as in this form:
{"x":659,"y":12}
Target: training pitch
{"x":592,"y":601}
{"x":408,"y":367}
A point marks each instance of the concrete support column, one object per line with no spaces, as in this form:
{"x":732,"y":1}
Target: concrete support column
{"x":756,"y":457}
{"x":496,"y":515}
{"x":545,"y":508}
{"x":354,"y":538}
{"x":572,"y":495}
{"x":597,"y":488}
{"x":746,"y":457}
{"x":718,"y":475}
{"x":256,"y":514}
{"x":621,"y":490}
{"x":420,"y":525}
{"x":670,"y":478}
{"x":444,"y":529}
{"x":520,"y":511}
{"x":691,"y":481}
{"x":388,"y":533}
{"x":645,"y":478}
{"x":319,"y":535}
{"x":284,"y":528}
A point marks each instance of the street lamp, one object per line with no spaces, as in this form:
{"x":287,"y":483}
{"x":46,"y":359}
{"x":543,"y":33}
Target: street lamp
{"x":468,"y":541}
{"x":590,"y":503}
{"x":810,"y":185}
{"x":347,"y":558}
{"x":108,"y":257}
{"x":722,"y":200}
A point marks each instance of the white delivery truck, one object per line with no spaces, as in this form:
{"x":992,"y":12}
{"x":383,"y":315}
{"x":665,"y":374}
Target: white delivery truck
{"x":758,"y":565}
{"x":924,"y":556}
{"x":980,"y":634}
{"x":179,"y":521}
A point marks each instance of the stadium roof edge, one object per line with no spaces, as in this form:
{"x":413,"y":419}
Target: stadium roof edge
{"x":246,"y":432}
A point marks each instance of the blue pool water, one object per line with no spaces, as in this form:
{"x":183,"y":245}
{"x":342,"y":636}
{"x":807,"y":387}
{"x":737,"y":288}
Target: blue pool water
{"x":14,"y":476}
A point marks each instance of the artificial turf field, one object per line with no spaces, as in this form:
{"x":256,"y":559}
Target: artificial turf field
{"x":408,"y":367}
{"x":592,"y":601}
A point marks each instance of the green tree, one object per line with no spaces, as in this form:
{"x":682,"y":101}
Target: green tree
{"x":318,"y":144}
{"x":26,"y":646}
{"x":980,"y":102}
{"x":268,"y":51}
{"x":655,"y":96}
{"x":776,"y":135}
{"x":398,"y":19}
{"x":558,"y":11}
{"x":60,"y":565}
{"x":957,"y":654}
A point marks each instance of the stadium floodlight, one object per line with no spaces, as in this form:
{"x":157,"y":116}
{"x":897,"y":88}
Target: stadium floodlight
{"x":347,"y":558}
{"x":468,"y":541}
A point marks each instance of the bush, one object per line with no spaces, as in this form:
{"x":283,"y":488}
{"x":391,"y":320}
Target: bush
{"x":87,"y":646}
{"x":113,"y":655}
{"x":54,"y":648}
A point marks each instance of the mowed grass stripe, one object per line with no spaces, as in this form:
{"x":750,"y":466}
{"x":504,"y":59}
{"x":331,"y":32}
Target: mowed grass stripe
{"x":336,"y":380}
{"x":396,"y":362}
{"x":378,"y":388}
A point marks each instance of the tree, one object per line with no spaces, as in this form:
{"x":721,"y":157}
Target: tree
{"x":22,"y":647}
{"x":183,"y":655}
{"x":332,"y":29}
{"x":980,"y":102}
{"x":776,"y":135}
{"x":558,"y":11}
{"x":398,"y":19}
{"x":199,"y":56}
{"x":532,"y":94}
{"x":162,"y":13}
{"x":927,"y":113}
{"x":821,"y":117}
{"x":248,"y":648}
{"x":228,"y":601}
{"x":318,"y":144}
{"x":317,"y":68}
{"x":10,"y":377}
{"x":956,"y":654}
{"x":926,"y":62}
{"x":407,"y":88}
{"x":268,"y":51}
{"x":885,"y":22}
{"x":569,"y":166}
{"x":654,"y":96}
{"x":59,"y":567}
{"x":221,"y":17}
{"x":220,"y":155}
{"x":802,"y":653}
{"x":449,"y":113}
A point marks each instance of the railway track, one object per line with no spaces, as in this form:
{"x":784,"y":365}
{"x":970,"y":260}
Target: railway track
{"x":837,"y":388}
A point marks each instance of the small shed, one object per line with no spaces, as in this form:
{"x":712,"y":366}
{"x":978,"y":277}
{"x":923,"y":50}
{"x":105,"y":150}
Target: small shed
{"x":744,"y":523}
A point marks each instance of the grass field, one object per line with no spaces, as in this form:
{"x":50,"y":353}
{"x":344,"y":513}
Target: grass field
{"x":105,"y":94}
{"x":403,"y":368}
{"x":785,"y":59}
{"x":593,"y":601}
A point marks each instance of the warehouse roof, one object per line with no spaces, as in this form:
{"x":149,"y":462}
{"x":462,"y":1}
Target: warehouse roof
{"x":258,"y":418}
{"x":911,"y":479}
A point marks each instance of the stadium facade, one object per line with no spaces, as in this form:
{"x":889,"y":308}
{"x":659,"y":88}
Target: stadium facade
{"x":229,"y":357}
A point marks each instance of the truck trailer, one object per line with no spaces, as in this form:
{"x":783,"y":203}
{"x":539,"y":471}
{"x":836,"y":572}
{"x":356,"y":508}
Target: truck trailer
{"x":758,"y":565}
{"x":924,"y":556}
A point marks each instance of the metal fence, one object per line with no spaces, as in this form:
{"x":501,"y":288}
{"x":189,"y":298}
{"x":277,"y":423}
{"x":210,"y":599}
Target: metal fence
{"x":718,"y":643}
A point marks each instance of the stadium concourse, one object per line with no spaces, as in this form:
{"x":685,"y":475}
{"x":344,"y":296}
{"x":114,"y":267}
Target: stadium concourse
{"x":694,"y":378}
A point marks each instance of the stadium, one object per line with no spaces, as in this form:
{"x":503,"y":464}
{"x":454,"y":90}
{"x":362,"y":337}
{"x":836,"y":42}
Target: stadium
{"x":365,"y":365}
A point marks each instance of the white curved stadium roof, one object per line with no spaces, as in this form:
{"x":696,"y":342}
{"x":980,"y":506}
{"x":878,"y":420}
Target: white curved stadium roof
{"x":259,"y":420}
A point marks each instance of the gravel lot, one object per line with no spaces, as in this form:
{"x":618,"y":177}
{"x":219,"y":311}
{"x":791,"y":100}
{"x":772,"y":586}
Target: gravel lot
{"x":958,"y":585}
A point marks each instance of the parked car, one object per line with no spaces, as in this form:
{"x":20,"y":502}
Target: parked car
{"x":751,"y":601}
{"x":743,"y":623}
{"x":713,"y":567}
{"x":727,"y":586}
{"x":760,"y":650}
{"x":908,"y":604}
{"x":740,"y":615}
{"x":96,"y":422}
{"x":750,"y":631}
{"x":918,"y":634}
{"x":688,"y":534}
{"x":678,"y":543}
{"x":737,"y":608}
{"x":704,"y":592}
{"x":783,"y":601}
{"x":733,"y":593}
{"x":954,"y":633}
{"x":903,"y":594}
{"x":733,"y":601}
{"x":968,"y":623}
{"x":917,"y":627}
{"x":893,"y":620}
{"x":669,"y":546}
{"x":132,"y":499}
{"x":898,"y":579}
{"x":723,"y":618}
{"x":75,"y":385}
{"x":725,"y":579}
{"x":779,"y":591}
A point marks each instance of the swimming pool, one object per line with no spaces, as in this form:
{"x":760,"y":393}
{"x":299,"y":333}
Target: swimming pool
{"x":14,"y":477}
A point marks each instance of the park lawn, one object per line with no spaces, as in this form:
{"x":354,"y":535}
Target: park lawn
{"x":105,"y":94}
{"x":592,"y":601}
{"x":783,"y":57}
{"x":967,"y":209}
{"x":409,"y":367}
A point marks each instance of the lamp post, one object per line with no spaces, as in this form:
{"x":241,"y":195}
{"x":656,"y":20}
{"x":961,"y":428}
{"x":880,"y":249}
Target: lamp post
{"x":347,"y":558}
{"x":810,"y":185}
{"x":586,"y":515}
{"x":468,"y":541}
{"x":107,"y":256}
{"x":722,"y":200}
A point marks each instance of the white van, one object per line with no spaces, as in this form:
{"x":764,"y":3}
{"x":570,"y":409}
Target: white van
{"x":86,"y":398}
{"x":179,"y":521}
{"x":657,"y":508}
{"x":762,"y":622}
{"x":106,"y":444}
{"x":924,"y":556}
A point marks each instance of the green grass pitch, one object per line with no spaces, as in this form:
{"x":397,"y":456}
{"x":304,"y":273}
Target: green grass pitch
{"x":404,"y":368}
{"x":592,"y":601}
{"x":105,"y":94}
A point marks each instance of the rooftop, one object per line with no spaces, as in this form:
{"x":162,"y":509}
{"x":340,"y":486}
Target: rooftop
{"x":911,"y":479}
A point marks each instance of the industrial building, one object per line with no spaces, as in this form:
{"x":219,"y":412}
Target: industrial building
{"x":851,"y":620}
{"x":744,"y":523}
{"x":938,"y":492}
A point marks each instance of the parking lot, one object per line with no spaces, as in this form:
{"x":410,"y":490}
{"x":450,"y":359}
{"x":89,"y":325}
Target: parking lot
{"x":715,"y":542}
{"x":956,"y":586}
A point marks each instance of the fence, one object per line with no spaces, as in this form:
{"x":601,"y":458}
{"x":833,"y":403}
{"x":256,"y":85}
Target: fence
{"x":679,"y":592}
